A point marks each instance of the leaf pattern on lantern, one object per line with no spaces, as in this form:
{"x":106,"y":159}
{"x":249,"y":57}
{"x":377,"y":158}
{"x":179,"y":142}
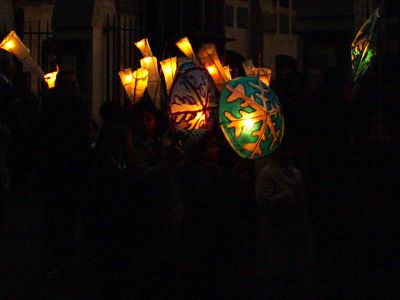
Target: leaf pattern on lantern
{"x":260,"y":113}
{"x":193,"y":101}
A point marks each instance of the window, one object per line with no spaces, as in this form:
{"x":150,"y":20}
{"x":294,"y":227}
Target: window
{"x":242,"y":17}
{"x":229,"y":16}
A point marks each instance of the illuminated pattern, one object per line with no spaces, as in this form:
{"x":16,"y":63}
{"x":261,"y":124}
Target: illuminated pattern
{"x":251,"y":117}
{"x":193,"y":101}
{"x":362,"y":48}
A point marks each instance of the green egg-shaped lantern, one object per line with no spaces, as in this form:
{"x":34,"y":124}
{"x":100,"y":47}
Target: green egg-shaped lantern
{"x":363,"y":47}
{"x":251,"y":117}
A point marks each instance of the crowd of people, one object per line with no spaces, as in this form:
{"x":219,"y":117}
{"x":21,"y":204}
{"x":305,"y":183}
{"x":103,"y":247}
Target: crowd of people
{"x":163,"y":220}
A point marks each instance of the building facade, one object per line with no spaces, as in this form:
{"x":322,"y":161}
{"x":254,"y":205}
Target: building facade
{"x":275,"y":21}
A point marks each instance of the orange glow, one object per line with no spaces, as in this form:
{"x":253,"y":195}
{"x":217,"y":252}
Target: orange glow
{"x":212,"y":70}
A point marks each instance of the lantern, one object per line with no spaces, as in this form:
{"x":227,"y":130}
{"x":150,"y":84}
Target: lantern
{"x":362,"y":48}
{"x":263,"y":73}
{"x":251,"y":71}
{"x":135,"y":83}
{"x":185,"y":46}
{"x":50,"y":79}
{"x":227,"y":71}
{"x":209,"y":58}
{"x":251,"y":117}
{"x":168,"y":67}
{"x":153,"y":84}
{"x":193,"y":101}
{"x":12,"y":43}
{"x":144,"y":47}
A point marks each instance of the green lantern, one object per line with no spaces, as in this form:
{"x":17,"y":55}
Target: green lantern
{"x":363,"y":46}
{"x":251,"y":118}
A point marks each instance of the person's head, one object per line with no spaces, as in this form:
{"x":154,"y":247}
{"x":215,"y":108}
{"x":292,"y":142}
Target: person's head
{"x":67,"y":82}
{"x":144,"y":119}
{"x":114,"y":140}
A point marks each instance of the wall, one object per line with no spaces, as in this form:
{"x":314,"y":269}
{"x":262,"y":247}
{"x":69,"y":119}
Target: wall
{"x":6,"y":14}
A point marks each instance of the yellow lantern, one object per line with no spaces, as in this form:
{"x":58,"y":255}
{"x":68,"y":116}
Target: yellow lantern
{"x":50,"y":79}
{"x":169,"y":67}
{"x":263,"y":73}
{"x":153,"y":84}
{"x":12,"y":43}
{"x":144,"y":47}
{"x":209,"y":58}
{"x":135,"y":83}
{"x":227,"y":71}
{"x":185,"y":46}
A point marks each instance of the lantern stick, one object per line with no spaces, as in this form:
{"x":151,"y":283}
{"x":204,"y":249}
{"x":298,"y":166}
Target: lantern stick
{"x":12,"y":43}
{"x":144,"y":47}
{"x":185,"y":46}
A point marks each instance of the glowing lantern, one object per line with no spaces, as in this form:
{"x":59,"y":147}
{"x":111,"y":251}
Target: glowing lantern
{"x":153,"y":84}
{"x":12,"y":43}
{"x":209,"y":58}
{"x":144,"y":47}
{"x":251,"y":117}
{"x":193,"y":101}
{"x":50,"y":79}
{"x":363,"y":48}
{"x":135,"y":83}
{"x":185,"y":46}
{"x":168,"y":67}
{"x":227,"y":71}
{"x":263,"y":73}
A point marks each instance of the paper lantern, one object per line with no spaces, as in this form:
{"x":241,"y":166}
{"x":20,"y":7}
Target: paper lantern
{"x":209,"y":58}
{"x":263,"y":73}
{"x":251,"y":118}
{"x":12,"y":43}
{"x":193,"y":101}
{"x":153,"y":84}
{"x":227,"y":71}
{"x":185,"y":46}
{"x":251,"y":71}
{"x":134,"y":83}
{"x":169,"y":67}
{"x":50,"y":79}
{"x":144,"y":47}
{"x":363,"y":47}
